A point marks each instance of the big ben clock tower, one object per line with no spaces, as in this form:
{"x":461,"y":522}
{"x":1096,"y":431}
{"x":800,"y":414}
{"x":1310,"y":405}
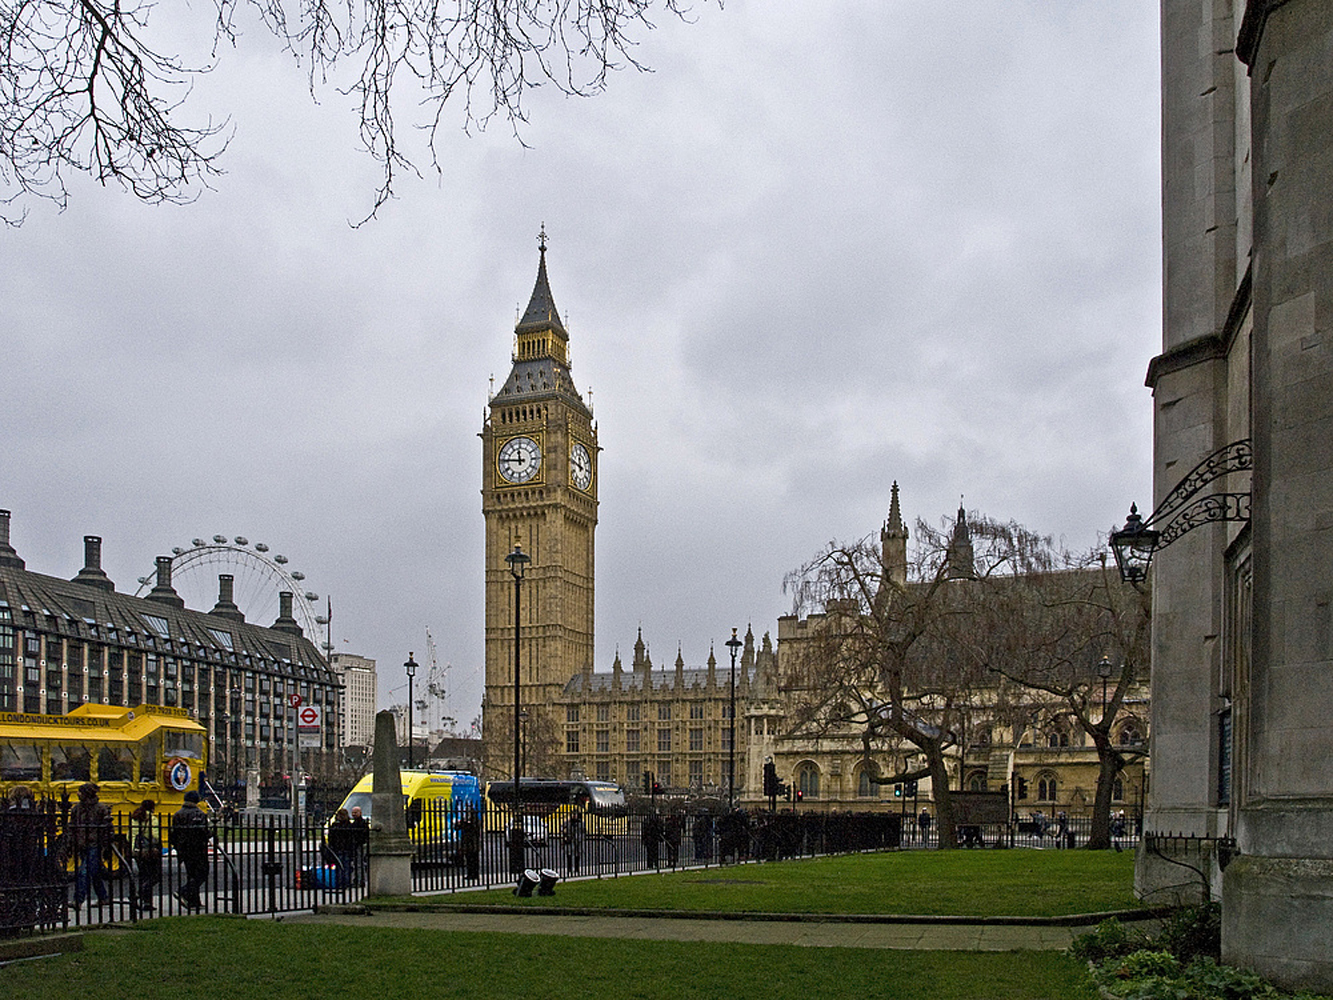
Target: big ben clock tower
{"x":539,"y":490}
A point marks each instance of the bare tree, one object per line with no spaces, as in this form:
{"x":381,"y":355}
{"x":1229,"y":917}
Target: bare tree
{"x":89,"y":86}
{"x":540,"y":745}
{"x":1067,"y":629}
{"x":890,"y":661}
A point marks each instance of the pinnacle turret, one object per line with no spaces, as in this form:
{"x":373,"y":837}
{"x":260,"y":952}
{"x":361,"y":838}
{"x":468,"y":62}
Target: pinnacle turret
{"x":893,"y":542}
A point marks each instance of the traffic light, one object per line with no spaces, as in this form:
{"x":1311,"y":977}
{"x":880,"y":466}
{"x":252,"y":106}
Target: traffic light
{"x":1022,"y":784}
{"x":657,"y":788}
{"x":897,"y":791}
{"x":909,"y":788}
{"x":770,"y":780}
{"x":799,"y":795}
{"x":784,"y":789}
{"x":647,"y":783}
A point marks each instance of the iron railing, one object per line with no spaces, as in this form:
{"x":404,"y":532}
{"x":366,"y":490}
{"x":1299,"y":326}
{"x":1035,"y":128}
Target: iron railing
{"x":270,"y":864}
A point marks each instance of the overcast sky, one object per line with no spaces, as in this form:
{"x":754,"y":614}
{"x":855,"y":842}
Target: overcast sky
{"x":822,"y":247}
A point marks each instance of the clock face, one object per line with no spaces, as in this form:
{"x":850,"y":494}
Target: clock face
{"x":520,"y":460}
{"x":580,"y":466}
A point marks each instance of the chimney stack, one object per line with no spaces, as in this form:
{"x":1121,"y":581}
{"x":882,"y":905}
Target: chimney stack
{"x":91,"y":575}
{"x":8,"y":557}
{"x":163,"y":591}
{"x":226,"y":607}
{"x":285,"y":622}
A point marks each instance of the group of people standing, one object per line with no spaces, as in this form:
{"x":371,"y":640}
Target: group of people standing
{"x":349,"y":844}
{"x":90,"y":835}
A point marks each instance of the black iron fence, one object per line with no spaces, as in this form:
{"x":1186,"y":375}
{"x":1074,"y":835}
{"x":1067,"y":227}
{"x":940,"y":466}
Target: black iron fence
{"x":457,"y":850}
{"x":54,"y":873}
{"x":1050,"y":833}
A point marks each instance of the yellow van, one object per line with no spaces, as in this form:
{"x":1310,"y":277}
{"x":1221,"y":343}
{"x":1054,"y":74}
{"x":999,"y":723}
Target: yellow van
{"x":435,"y":801}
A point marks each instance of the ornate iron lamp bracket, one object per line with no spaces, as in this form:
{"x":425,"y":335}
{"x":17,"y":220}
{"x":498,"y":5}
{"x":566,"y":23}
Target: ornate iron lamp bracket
{"x":1179,"y":513}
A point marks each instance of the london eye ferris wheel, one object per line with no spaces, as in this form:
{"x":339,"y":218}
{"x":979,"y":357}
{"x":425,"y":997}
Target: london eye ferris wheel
{"x":258,"y":575}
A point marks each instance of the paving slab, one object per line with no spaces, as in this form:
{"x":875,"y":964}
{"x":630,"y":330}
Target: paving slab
{"x":822,"y":933}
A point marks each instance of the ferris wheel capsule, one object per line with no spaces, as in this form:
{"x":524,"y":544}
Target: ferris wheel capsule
{"x":258,"y":582}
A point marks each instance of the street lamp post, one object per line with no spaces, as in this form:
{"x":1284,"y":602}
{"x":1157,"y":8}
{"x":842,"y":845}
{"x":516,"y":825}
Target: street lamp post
{"x":411,"y":667}
{"x":1104,"y":672}
{"x":733,"y":644}
{"x":523,"y":755}
{"x":518,"y":561}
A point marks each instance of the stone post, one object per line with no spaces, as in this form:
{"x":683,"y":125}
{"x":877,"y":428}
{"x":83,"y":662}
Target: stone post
{"x":390,"y":848}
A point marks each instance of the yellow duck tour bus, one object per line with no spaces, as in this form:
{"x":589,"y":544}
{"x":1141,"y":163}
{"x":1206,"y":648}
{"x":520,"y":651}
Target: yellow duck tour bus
{"x":131,"y":754}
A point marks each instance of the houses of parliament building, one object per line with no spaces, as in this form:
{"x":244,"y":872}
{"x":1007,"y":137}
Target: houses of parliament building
{"x":540,"y":477}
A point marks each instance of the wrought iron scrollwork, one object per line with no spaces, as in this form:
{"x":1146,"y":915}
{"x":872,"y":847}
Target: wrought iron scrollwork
{"x":1179,"y":513}
{"x":1238,"y":456}
{"x":1215,"y":507}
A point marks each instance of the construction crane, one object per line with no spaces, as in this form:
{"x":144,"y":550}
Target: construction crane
{"x":437,"y":687}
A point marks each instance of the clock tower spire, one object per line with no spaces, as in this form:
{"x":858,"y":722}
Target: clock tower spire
{"x":539,"y":489}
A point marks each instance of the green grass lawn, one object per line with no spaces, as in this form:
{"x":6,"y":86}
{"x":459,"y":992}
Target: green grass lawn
{"x":960,"y":883}
{"x":221,"y":958}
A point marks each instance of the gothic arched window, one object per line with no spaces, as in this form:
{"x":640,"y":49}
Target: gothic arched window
{"x":807,"y":780}
{"x":1046,"y":788}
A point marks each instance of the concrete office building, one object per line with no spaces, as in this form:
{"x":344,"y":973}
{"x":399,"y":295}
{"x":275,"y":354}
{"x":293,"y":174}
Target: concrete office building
{"x":359,"y":687}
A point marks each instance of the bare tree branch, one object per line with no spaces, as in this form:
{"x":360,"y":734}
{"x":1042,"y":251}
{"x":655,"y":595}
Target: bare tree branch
{"x":82,"y":89}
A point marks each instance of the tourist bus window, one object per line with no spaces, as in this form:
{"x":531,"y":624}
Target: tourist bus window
{"x":20,"y":762}
{"x":70,"y":762}
{"x":150,"y":755}
{"x":115,"y":763}
{"x":184,"y":744}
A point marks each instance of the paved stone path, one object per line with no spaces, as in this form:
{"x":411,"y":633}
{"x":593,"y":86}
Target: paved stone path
{"x":932,"y":936}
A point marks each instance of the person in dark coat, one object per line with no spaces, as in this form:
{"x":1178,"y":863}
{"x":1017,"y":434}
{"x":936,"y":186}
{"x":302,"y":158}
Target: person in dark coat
{"x":147,"y":854}
{"x":361,"y":845}
{"x":703,"y":837}
{"x":673,"y":830}
{"x":469,"y":842}
{"x":574,"y":836}
{"x":650,"y":835}
{"x":342,"y":845}
{"x":90,"y":836}
{"x":190,"y":834}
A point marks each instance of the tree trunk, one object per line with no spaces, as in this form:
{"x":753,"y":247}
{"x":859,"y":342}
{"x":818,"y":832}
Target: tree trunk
{"x":1099,"y":838}
{"x":939,"y":786}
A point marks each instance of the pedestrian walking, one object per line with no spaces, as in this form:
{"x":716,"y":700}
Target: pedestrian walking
{"x":923,"y":824}
{"x":190,"y":834}
{"x":147,"y":850}
{"x":90,"y":837}
{"x":1063,"y":836}
{"x":574,"y":834}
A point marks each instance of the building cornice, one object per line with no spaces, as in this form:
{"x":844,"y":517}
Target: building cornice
{"x":1252,"y":28}
{"x":1211,"y":347}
